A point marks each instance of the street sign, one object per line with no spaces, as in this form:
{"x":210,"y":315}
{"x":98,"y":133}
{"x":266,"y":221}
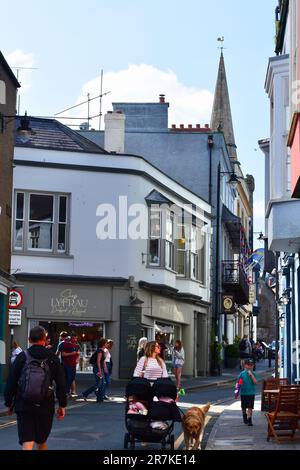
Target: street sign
{"x":15,"y":299}
{"x":14,"y":317}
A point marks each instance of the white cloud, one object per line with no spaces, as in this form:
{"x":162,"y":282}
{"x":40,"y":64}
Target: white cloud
{"x":20,"y":61}
{"x":144,"y":83}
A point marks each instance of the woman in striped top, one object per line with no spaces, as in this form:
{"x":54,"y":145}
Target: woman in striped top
{"x":151,"y":366}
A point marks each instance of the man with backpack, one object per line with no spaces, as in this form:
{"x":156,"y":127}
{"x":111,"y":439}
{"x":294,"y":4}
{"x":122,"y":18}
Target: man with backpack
{"x":245,"y":350}
{"x":29,"y":391}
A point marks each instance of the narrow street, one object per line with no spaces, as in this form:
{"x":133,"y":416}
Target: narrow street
{"x":89,"y":426}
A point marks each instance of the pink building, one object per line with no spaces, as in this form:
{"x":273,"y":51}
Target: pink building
{"x":292,"y":39}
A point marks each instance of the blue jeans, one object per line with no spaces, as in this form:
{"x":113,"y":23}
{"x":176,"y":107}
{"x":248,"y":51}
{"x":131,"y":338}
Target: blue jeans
{"x":107,"y":376}
{"x":99,"y":386}
{"x":70,"y":373}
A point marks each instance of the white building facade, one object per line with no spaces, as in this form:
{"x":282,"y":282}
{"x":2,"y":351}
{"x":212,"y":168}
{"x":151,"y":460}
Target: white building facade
{"x":97,"y":241}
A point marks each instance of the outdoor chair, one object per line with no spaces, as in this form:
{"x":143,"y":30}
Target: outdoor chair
{"x":268,"y":401}
{"x":284,"y":421}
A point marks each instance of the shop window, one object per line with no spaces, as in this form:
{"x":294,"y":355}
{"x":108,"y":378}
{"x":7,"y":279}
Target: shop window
{"x":41,"y":222}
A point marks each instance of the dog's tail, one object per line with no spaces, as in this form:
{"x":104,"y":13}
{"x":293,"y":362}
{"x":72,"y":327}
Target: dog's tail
{"x":206,"y":408}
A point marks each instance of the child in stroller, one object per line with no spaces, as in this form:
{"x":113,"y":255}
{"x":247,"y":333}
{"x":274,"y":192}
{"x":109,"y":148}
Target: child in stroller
{"x":150,"y":412}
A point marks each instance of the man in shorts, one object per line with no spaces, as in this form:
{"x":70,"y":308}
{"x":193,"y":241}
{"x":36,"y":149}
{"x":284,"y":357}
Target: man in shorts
{"x":35,"y":420}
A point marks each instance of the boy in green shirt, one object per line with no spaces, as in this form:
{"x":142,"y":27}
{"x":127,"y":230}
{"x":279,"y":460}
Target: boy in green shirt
{"x":248,"y":389}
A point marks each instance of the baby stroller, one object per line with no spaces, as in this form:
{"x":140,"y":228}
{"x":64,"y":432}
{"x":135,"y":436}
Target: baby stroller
{"x":150,"y":412}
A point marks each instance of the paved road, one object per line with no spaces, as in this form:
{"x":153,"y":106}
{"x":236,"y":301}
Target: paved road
{"x":89,"y":426}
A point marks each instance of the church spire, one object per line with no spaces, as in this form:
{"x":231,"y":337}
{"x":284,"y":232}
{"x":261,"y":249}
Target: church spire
{"x":221,"y":119}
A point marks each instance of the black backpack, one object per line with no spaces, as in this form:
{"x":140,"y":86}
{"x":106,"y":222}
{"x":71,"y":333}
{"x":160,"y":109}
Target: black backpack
{"x":243,"y":345}
{"x":35,"y":380}
{"x":93,"y":358}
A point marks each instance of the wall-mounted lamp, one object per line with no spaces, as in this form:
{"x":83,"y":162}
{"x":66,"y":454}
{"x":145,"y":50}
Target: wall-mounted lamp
{"x":210,"y":141}
{"x":135,"y":301}
{"x":285,"y":299}
{"x":24,"y":130}
{"x":282,"y":321}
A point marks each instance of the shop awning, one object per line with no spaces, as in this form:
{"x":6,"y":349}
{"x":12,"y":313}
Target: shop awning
{"x":233,"y":225}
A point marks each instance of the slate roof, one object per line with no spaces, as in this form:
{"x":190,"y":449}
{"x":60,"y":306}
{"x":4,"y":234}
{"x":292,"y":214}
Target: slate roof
{"x":52,"y":135}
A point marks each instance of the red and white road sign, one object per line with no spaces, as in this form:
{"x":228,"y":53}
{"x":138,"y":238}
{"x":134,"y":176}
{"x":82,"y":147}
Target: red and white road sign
{"x":15,"y":298}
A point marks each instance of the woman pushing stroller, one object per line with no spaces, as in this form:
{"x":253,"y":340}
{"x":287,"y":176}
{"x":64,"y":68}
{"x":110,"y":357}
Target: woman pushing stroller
{"x":151,"y":366}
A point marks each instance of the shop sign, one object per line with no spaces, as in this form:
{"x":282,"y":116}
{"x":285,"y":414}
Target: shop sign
{"x":228,"y":304}
{"x":130,"y":333}
{"x":69,"y":304}
{"x":14,"y":317}
{"x":15,"y":298}
{"x":252,"y":294}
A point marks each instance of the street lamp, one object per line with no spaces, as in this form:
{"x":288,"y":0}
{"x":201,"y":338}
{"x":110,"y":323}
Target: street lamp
{"x":233,"y":181}
{"x":24,"y":130}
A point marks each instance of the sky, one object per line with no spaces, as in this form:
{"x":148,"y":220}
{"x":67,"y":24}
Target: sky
{"x":146,"y":48}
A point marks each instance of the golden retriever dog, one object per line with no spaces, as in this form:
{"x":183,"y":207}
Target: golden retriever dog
{"x":193,"y":423}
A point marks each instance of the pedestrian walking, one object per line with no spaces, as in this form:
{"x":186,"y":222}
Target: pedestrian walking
{"x":109,"y":366}
{"x":162,"y":345}
{"x":178,"y":362}
{"x":63,"y":336}
{"x":99,"y":370}
{"x":141,"y":347}
{"x":29,"y":391}
{"x":16,"y":349}
{"x":70,"y":353}
{"x":151,"y":366}
{"x":248,"y":380}
{"x":245,"y":351}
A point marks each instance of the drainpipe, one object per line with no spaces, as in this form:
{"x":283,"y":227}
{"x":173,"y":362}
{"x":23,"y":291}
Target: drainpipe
{"x":277,"y":316}
{"x":210,"y":143}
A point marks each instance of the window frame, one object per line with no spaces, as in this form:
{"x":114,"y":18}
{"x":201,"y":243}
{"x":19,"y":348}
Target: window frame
{"x":155,"y":237}
{"x":170,"y":243}
{"x":26,"y":249}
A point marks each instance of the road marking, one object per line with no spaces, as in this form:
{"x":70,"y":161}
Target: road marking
{"x":13,"y":423}
{"x":6,"y":425}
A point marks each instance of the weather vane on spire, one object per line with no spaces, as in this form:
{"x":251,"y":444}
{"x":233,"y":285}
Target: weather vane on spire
{"x":221,"y":40}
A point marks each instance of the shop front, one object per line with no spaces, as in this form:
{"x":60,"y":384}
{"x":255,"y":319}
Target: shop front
{"x":87,"y":309}
{"x":88,"y":334}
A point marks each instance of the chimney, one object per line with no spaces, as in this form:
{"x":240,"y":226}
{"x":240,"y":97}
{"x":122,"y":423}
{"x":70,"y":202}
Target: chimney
{"x":114,"y":135}
{"x":161,"y":98}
